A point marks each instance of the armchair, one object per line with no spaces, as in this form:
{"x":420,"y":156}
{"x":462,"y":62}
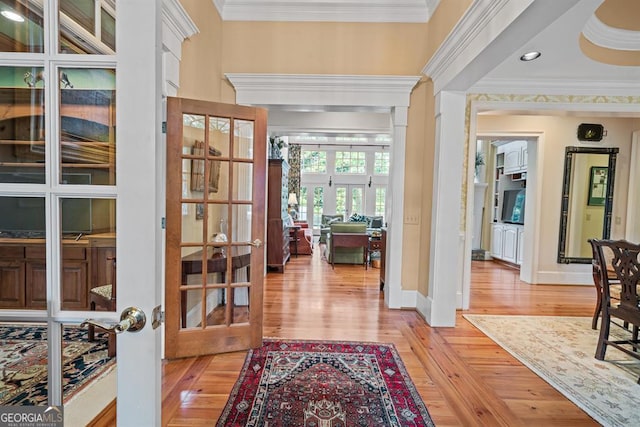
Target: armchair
{"x":345,"y":255}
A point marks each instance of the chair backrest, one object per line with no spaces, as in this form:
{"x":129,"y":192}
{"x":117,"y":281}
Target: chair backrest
{"x":625,"y":264}
{"x":349,"y":227}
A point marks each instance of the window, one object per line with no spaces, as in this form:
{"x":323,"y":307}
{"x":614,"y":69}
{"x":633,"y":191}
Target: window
{"x":313,"y":162}
{"x":380,"y":201}
{"x":302,"y":204}
{"x":381,"y":163}
{"x":318,"y":205}
{"x":350,"y":162}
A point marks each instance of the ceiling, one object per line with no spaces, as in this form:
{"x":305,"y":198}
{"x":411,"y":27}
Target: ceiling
{"x":573,"y":49}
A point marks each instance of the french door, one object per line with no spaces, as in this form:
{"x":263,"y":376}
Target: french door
{"x":350,"y":199}
{"x":216,"y":170}
{"x":80,"y":178}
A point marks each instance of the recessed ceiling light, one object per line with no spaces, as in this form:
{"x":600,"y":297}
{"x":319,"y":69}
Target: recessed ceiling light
{"x":12,"y":16}
{"x":530,"y":56}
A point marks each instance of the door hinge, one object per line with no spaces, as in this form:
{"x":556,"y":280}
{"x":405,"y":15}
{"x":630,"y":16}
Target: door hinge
{"x":157,"y":317}
{"x":163,"y":223}
{"x":164,"y":127}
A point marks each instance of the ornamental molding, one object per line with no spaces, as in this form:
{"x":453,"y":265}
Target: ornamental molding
{"x":403,"y":11}
{"x":559,"y":87}
{"x":457,"y":46}
{"x":601,"y":34}
{"x":324,"y":90}
{"x":177,"y":19}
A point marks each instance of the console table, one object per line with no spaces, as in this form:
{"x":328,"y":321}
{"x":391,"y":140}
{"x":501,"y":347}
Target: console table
{"x":350,"y":240}
{"x":192,"y":264}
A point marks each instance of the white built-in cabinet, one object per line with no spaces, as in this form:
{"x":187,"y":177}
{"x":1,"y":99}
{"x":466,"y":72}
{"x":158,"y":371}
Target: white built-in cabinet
{"x":507,"y":242}
{"x":497,"y":237}
{"x":520,"y":250}
{"x":515,"y":157}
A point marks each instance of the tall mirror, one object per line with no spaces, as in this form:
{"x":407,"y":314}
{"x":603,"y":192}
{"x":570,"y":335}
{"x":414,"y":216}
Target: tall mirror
{"x":587,"y":201}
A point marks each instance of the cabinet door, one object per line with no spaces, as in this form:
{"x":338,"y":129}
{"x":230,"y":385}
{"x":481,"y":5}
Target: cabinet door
{"x":520,"y":245}
{"x":36,"y":284}
{"x":12,"y":294}
{"x":102,"y":268}
{"x":512,"y":161}
{"x":74,"y":286}
{"x":524,"y":158}
{"x":496,"y":240}
{"x":510,"y":244}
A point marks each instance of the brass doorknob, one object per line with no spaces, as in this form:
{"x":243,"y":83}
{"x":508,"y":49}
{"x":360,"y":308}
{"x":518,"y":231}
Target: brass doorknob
{"x":132,"y":319}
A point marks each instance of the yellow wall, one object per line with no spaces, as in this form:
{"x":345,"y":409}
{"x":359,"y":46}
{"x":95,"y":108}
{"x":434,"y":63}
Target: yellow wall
{"x":201,"y":64}
{"x":332,"y":48}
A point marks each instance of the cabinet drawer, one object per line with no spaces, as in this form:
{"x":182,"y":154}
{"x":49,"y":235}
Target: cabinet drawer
{"x":74,"y":253}
{"x":39,"y":252}
{"x":12,"y":252}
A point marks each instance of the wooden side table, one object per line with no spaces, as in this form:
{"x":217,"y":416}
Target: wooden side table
{"x":350,"y":240}
{"x":293,"y":237}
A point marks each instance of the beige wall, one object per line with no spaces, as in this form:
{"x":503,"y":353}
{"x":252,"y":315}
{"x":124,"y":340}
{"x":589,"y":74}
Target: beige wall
{"x":560,"y":132}
{"x":332,"y":48}
{"x":201,"y":64}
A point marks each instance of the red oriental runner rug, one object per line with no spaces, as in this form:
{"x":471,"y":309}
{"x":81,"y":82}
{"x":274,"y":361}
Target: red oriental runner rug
{"x":324,"y":384}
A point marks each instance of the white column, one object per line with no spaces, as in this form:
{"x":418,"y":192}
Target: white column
{"x":395,"y":210}
{"x":445,"y":261}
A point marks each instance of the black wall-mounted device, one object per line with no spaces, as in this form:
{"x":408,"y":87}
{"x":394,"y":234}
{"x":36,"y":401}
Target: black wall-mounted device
{"x":590,"y":132}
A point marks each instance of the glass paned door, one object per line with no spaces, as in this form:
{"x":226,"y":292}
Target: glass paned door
{"x":216,"y":161}
{"x":349,"y":199}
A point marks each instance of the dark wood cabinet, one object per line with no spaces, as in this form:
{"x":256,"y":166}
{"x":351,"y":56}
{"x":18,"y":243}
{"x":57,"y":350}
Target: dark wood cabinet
{"x":36,"y":276}
{"x":277,"y":196}
{"x":12,"y":291}
{"x":23,"y":273}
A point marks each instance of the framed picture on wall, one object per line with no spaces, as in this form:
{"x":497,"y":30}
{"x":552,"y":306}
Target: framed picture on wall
{"x":197,"y":168}
{"x":597,"y":185}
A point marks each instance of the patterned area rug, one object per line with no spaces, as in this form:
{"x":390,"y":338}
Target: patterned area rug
{"x":561,"y":351}
{"x":327,"y":383}
{"x":23,"y":363}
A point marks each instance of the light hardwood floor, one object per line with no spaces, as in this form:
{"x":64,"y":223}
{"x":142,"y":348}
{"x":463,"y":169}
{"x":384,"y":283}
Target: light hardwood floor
{"x":463,"y":377}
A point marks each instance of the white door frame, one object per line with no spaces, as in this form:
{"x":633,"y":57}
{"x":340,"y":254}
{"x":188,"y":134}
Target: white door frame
{"x":391,"y":93}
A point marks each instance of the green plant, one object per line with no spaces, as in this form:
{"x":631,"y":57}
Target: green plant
{"x":479,"y":159}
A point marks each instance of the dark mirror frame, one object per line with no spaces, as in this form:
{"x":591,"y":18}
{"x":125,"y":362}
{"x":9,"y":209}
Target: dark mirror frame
{"x":566,"y":190}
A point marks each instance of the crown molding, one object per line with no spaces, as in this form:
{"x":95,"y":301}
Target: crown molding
{"x":603,"y":35}
{"x":558,"y":87}
{"x":405,"y":11}
{"x":457,"y":44}
{"x":177,"y":19}
{"x":325,"y":90}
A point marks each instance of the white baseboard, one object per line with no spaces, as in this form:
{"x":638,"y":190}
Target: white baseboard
{"x":409,"y":299}
{"x":564,"y":278}
{"x":423,"y":305}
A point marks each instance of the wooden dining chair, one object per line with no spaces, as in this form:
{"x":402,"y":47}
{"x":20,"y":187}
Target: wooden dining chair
{"x":624,"y":270}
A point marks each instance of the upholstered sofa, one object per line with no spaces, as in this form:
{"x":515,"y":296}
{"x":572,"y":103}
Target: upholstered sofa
{"x":345,"y":255}
{"x":325,"y":223}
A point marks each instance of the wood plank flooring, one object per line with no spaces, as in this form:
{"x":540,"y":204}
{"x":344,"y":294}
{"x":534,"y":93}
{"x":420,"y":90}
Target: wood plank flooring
{"x":463,"y":377}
